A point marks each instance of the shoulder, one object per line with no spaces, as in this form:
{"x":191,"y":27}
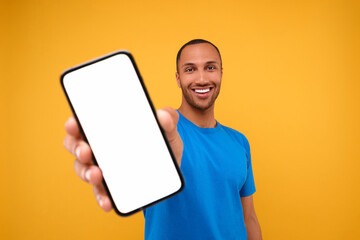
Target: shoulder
{"x":237,"y":135}
{"x":241,"y":139}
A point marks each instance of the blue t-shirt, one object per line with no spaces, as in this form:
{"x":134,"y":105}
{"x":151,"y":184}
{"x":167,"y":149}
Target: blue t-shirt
{"x":216,"y":165}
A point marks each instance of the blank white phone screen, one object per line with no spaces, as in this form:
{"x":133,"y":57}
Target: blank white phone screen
{"x":118,"y":122}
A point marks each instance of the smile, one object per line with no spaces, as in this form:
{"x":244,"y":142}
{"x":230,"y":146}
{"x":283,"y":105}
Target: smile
{"x":202,"y":90}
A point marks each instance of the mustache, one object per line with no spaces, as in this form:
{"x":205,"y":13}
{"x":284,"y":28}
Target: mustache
{"x":201,"y":85}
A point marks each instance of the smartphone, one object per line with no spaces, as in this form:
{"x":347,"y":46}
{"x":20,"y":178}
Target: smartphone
{"x":117,"y":119}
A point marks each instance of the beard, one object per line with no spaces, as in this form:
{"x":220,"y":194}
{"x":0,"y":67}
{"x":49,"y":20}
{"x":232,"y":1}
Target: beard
{"x":200,"y":104}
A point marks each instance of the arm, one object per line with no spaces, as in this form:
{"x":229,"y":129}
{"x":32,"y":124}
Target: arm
{"x":251,"y":221}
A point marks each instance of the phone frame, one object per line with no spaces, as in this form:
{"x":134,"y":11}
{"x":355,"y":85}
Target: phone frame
{"x":154,"y":114}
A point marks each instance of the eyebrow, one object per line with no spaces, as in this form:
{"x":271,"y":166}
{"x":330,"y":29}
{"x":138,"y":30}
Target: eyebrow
{"x":208,"y":62}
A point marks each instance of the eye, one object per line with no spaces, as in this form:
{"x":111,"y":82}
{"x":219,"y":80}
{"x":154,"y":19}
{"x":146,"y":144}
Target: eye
{"x":211,"y":68}
{"x":189,"y":69}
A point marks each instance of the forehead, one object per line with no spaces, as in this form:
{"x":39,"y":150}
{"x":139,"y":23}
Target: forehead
{"x":197,"y":53}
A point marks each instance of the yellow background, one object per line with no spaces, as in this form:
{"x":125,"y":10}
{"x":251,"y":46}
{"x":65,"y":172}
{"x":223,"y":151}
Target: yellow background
{"x":290,"y":84}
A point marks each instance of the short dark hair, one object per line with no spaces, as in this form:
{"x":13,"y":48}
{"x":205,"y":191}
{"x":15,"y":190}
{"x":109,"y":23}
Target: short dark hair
{"x":192,"y":42}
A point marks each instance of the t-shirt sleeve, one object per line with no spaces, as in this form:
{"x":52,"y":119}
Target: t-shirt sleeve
{"x":249,"y":185}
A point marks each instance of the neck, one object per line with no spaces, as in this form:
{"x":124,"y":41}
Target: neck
{"x":201,"y":118}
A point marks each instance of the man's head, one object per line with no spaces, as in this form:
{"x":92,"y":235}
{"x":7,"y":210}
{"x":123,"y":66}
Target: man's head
{"x":199,"y":72}
{"x":192,"y":42}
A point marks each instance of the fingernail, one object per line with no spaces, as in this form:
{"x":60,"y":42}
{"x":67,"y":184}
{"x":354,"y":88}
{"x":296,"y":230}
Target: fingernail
{"x":160,"y":112}
{"x":67,"y":122}
{"x":87,"y":175}
{"x":100,"y":203}
{"x":77,"y":152}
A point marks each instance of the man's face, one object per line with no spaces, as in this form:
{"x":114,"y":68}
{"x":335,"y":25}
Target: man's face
{"x":199,"y":75}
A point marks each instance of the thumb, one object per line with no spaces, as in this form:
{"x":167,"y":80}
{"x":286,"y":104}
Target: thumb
{"x":168,"y":119}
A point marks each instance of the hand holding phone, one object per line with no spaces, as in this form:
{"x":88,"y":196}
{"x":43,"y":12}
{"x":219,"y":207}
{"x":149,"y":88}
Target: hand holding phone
{"x":85,"y":167}
{"x":97,"y":98}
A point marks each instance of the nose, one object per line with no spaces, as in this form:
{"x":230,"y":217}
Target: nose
{"x":202,"y":77}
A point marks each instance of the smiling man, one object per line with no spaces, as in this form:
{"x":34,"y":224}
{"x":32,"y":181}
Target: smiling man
{"x":215,"y":160}
{"x":199,"y":72}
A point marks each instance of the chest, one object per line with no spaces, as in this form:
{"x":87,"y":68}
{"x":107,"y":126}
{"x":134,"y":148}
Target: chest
{"x":219,"y":158}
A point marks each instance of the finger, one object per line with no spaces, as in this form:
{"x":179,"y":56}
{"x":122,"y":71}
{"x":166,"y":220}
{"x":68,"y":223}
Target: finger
{"x":71,"y":143}
{"x":168,"y":119}
{"x":80,"y":149}
{"x":83,"y":153}
{"x":88,"y":173}
{"x":72,"y":127}
{"x":174,"y":114}
{"x":102,"y":198}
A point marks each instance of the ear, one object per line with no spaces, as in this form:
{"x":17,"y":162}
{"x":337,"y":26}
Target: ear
{"x":178,"y":79}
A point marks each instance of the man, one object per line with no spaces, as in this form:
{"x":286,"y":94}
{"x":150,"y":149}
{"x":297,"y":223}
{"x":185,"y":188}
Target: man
{"x":215,"y":160}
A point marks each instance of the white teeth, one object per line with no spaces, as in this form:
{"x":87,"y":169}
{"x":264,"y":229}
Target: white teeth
{"x":202,"y":90}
